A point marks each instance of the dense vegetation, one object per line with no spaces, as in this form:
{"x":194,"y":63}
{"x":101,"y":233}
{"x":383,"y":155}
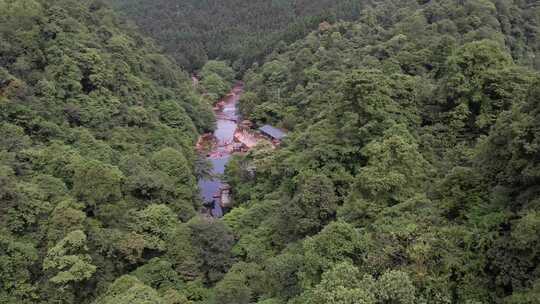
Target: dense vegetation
{"x":240,"y":31}
{"x":410,"y":173}
{"x":217,"y":79}
{"x":97,"y":168}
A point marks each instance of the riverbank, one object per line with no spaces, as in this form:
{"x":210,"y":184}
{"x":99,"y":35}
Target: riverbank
{"x":218,"y":148}
{"x":232,"y":135}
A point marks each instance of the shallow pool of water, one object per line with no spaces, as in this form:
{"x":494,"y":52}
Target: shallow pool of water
{"x":227,"y":123}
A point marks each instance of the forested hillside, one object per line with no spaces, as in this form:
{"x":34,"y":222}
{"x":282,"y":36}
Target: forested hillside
{"x":97,"y":165}
{"x":240,"y":31}
{"x":410,"y":172}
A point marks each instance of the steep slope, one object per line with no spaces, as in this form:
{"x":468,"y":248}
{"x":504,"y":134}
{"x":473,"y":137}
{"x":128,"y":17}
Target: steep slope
{"x":408,"y":38}
{"x":96,"y":151}
{"x":411,"y":172}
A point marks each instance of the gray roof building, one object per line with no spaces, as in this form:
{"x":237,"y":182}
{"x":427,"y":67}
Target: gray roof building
{"x":272,"y":132}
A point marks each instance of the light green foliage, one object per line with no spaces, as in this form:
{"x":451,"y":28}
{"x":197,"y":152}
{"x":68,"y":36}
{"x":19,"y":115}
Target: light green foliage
{"x":173,"y":163}
{"x":233,"y":218}
{"x":128,"y":289}
{"x":342,"y":285}
{"x":173,"y":115}
{"x":215,"y":86}
{"x":68,"y":260}
{"x":220,"y":68}
{"x":155,"y":224}
{"x":217,"y":79}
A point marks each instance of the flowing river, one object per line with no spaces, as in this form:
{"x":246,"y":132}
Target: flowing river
{"x":223,"y":137}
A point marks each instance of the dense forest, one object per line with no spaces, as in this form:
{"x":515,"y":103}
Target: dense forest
{"x":97,"y":164}
{"x":410,"y":173}
{"x":193,"y":31}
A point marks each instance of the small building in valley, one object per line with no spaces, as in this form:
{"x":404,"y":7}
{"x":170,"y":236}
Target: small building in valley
{"x":273,"y":133}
